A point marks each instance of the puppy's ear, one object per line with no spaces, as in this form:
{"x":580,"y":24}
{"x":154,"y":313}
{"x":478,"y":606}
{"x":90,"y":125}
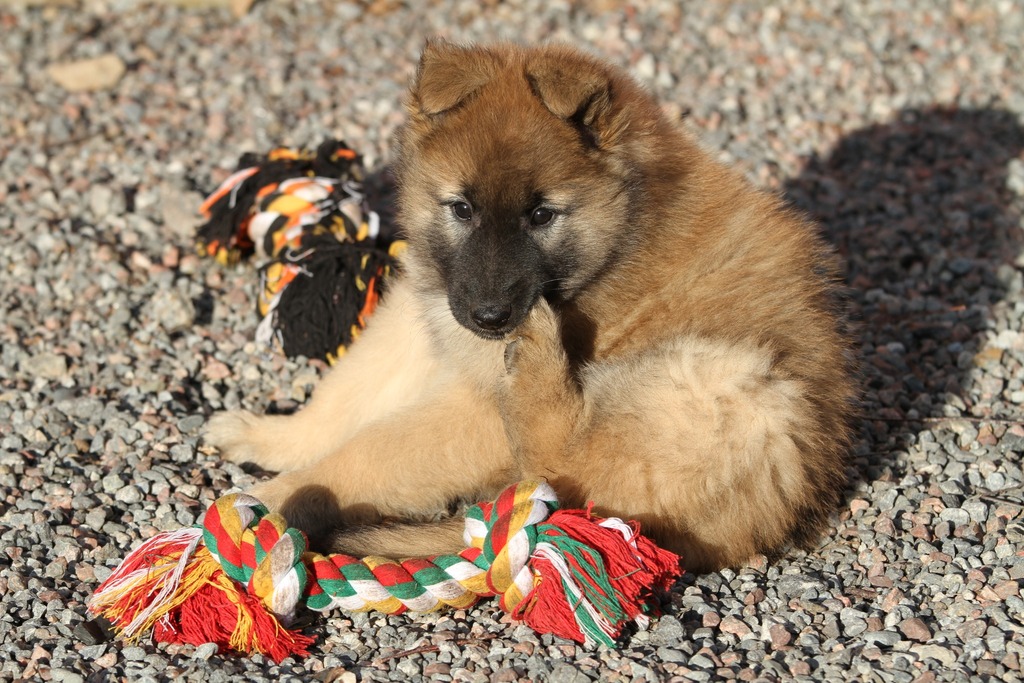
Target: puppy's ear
{"x":573,"y":87}
{"x":448,"y":74}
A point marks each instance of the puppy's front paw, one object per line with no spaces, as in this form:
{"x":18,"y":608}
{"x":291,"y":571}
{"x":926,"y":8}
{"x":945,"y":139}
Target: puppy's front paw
{"x":535,"y":347}
{"x":538,"y":399}
{"x":235,"y":435}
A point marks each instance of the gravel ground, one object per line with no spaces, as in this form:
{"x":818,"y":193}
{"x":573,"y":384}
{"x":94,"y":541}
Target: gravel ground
{"x":899,"y":123}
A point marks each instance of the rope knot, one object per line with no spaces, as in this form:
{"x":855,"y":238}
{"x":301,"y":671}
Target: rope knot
{"x":258,"y":549}
{"x":506,"y":533}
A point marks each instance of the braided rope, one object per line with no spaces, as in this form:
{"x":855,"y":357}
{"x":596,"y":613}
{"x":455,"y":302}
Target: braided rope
{"x":241,"y":576}
{"x":258,"y":549}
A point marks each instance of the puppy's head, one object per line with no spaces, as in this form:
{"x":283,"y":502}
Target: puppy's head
{"x":518,"y":171}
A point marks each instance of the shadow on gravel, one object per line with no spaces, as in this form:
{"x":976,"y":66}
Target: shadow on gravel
{"x":920,"y":212}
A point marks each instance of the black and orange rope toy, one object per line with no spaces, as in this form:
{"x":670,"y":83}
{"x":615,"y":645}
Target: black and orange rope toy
{"x":326,"y":253}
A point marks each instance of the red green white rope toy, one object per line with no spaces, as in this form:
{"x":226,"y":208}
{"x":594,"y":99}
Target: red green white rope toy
{"x":239,"y":579}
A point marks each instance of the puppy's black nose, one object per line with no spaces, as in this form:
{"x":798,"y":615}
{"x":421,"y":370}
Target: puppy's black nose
{"x":491,"y":317}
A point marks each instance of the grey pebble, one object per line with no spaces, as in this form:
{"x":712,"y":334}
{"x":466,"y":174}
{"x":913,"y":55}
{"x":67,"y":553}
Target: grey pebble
{"x":702,"y":662}
{"x":93,"y":651}
{"x":133,"y":653}
{"x":66,"y":675}
{"x":943,"y":655}
{"x":205,"y":651}
{"x":886,"y":638}
{"x":191,"y":423}
{"x":667,"y":631}
{"x":112,"y":483}
{"x":792,"y":585}
{"x":172,"y":311}
{"x":668,"y":654}
{"x":129,"y":494}
{"x":955,"y":516}
{"x":567,"y":673}
{"x":977,"y":509}
{"x":45,"y":365}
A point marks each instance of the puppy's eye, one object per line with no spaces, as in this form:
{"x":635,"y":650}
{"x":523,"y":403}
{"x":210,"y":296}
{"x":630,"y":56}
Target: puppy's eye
{"x":462,"y":211}
{"x":541,"y":217}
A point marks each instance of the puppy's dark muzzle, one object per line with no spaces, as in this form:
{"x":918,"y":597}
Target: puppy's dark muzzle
{"x":491,"y":317}
{"x":493,"y":279}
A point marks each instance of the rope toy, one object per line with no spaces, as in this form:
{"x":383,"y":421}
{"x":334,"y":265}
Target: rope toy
{"x":239,"y":579}
{"x":325,"y":253}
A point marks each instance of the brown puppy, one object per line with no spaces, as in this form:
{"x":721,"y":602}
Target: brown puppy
{"x":588,"y":298}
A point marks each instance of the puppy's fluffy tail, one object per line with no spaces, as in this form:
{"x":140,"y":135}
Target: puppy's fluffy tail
{"x":400,"y":540}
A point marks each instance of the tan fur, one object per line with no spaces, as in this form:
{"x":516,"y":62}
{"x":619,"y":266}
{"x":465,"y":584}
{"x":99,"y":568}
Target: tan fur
{"x":687,"y":372}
